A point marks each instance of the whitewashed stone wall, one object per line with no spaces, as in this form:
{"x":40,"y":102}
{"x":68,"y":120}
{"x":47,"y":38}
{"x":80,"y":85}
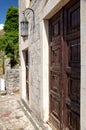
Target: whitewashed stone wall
{"x":33,"y":44}
{"x":35,"y":57}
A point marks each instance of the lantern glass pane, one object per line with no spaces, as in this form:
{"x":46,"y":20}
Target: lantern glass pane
{"x":24,"y":28}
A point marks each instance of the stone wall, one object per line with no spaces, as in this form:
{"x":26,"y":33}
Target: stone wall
{"x":12,"y":80}
{"x":35,"y":56}
{"x":11,"y":77}
{"x":33,"y":44}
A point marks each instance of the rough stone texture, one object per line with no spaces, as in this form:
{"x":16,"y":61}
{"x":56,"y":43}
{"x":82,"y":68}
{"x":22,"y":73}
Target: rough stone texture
{"x":12,"y":80}
{"x":11,"y":77}
{"x":35,"y":57}
{"x":12,"y":116}
{"x":34,"y":46}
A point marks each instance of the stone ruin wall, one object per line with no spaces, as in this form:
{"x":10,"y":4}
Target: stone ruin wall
{"x":11,"y":78}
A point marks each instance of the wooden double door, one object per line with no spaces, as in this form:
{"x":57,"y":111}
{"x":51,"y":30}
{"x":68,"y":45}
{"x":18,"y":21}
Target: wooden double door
{"x":64,"y":70}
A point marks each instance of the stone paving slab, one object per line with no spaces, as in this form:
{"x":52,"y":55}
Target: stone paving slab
{"x":11,"y":115}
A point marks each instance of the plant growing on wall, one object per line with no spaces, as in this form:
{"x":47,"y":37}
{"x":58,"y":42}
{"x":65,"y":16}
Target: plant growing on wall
{"x":9,"y":41}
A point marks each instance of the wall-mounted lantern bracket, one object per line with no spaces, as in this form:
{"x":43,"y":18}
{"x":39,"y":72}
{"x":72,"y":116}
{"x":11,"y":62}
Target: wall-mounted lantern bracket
{"x":24,"y":23}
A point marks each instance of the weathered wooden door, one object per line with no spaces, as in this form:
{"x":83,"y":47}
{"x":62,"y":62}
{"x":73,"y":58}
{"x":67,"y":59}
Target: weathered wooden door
{"x":64,"y":50}
{"x":55,"y":69}
{"x":72,"y":38}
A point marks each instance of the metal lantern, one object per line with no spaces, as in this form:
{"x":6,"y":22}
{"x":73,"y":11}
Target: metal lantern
{"x":24,"y":27}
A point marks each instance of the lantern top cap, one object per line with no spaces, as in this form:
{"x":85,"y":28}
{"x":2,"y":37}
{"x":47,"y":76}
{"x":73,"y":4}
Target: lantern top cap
{"x":24,"y":18}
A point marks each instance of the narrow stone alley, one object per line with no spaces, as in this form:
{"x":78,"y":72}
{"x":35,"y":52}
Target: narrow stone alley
{"x":12,"y":117}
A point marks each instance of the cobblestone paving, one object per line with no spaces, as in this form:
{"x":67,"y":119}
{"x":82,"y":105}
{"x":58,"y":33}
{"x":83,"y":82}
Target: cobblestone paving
{"x":11,"y":115}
